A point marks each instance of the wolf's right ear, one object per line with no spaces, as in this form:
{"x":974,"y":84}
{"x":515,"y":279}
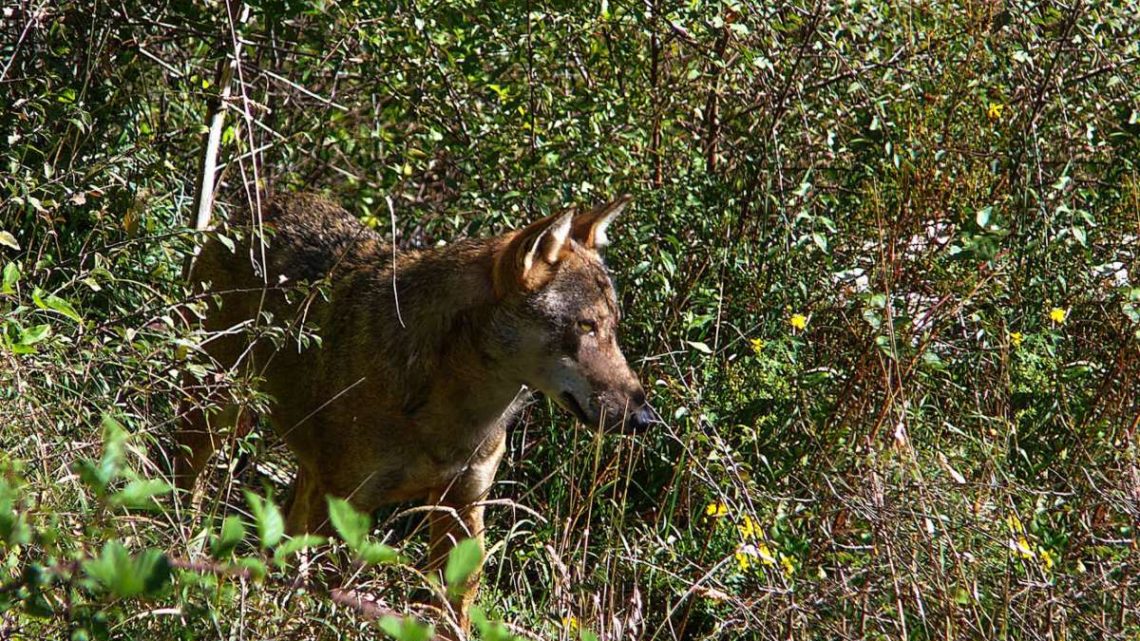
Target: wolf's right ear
{"x":528,"y":259}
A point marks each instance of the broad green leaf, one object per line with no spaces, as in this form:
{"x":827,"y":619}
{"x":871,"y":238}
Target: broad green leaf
{"x":352,"y":525}
{"x":232,"y":533}
{"x":55,"y":304}
{"x":373,"y":553}
{"x":140,"y":494}
{"x":465,"y":559}
{"x":8,"y":240}
{"x":33,"y":335}
{"x":267,"y":518}
{"x":255,"y":566}
{"x":10,"y":278}
{"x":293,"y":545}
{"x":13,"y":529}
{"x":820,"y":241}
{"x":983,"y":216}
{"x":489,"y":630}
{"x":406,"y":628}
{"x":700,"y":347}
{"x":125,"y":575}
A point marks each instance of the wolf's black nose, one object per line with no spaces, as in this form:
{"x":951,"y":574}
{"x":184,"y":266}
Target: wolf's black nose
{"x":640,"y":420}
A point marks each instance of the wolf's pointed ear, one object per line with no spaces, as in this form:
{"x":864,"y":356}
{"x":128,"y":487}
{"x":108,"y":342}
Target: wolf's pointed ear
{"x":527,"y":260}
{"x":590,"y":228}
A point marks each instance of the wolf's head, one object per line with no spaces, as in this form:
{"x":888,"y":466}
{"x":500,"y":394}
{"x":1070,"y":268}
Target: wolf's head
{"x":563,"y":318}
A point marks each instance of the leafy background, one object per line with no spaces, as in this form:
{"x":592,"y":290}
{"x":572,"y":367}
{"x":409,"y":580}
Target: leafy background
{"x":879,"y":277}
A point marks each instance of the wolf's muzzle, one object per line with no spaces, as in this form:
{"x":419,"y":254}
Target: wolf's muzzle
{"x":640,"y":420}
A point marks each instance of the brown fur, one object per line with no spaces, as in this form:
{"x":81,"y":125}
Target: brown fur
{"x":410,"y":393}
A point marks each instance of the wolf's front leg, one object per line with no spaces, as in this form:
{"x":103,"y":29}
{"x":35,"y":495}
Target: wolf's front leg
{"x":446,"y":532}
{"x":462,"y":517}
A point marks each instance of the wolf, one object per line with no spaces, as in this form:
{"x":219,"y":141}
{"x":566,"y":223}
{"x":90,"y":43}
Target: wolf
{"x":424,"y":356}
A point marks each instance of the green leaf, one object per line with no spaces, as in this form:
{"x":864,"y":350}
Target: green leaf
{"x":13,"y":529}
{"x":114,"y":436}
{"x":373,"y":553}
{"x":225,"y":240}
{"x":10,"y":278}
{"x":820,"y":241}
{"x":255,"y":566}
{"x":8,"y":240}
{"x":293,"y":545}
{"x":490,"y":630}
{"x":700,"y":347}
{"x":983,"y":216}
{"x":55,"y":304}
{"x":33,"y":335}
{"x":267,"y":518}
{"x":126,"y":576}
{"x":465,"y":559}
{"x":233,"y":531}
{"x":98,"y":476}
{"x":406,"y":629}
{"x":140,"y":493}
{"x":352,"y":525}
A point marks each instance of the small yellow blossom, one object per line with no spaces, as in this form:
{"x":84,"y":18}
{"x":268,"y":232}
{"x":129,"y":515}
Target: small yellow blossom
{"x":786,"y":563}
{"x":757,"y":345}
{"x":749,"y":556}
{"x":994,"y":111}
{"x":570,"y":623}
{"x":1014,"y":524}
{"x":1021,"y":547}
{"x":750,"y":528}
{"x":745,"y":556}
{"x":798,"y":321}
{"x":765,"y":554}
{"x":1058,"y":315}
{"x":1047,"y":558}
{"x":716,"y":510}
{"x":1016,"y":338}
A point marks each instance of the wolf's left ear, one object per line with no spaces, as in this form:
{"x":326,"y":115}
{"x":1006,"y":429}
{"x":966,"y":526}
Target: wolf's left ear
{"x":527,"y":261}
{"x":589,"y":229}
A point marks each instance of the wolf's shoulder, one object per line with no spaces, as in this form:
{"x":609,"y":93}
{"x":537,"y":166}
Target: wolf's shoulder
{"x":311,"y":233}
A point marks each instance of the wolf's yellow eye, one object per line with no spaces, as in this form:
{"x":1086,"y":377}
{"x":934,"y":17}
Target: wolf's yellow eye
{"x":587,"y":327}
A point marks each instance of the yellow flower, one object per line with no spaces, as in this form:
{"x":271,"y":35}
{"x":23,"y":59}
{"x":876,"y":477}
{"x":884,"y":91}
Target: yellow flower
{"x":750,"y":528}
{"x":757,"y":345}
{"x":1058,"y":315}
{"x":786,"y":563}
{"x":744,"y":557}
{"x":798,"y":321}
{"x":1014,"y":524}
{"x":1047,"y":559}
{"x":716,"y":510}
{"x":994,"y":111}
{"x":570,"y":623}
{"x":1016,"y":338}
{"x":765,"y":554}
{"x":1021,"y":547}
{"x":748,"y":556}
